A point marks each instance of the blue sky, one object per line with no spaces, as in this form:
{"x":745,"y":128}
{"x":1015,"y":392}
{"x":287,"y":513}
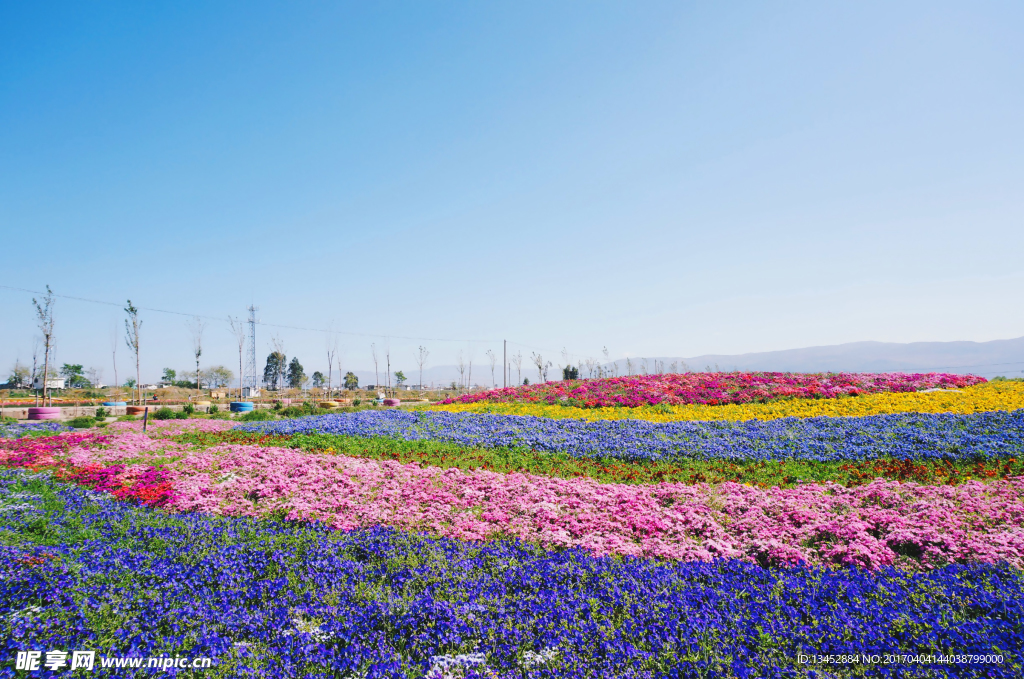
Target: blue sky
{"x":655,"y":178}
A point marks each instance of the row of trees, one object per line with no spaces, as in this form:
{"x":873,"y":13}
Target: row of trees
{"x":213,"y":377}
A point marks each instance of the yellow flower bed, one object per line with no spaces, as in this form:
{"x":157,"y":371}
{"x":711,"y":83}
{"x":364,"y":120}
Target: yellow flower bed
{"x":977,"y":399}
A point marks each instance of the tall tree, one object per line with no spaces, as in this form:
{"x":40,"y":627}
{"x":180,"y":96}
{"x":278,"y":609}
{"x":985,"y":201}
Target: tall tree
{"x":276,"y":366}
{"x":74,"y":375}
{"x":296,"y":375}
{"x":196,"y":327}
{"x":517,"y":361}
{"x":44,"y":315}
{"x":460,"y":365}
{"x":279,"y":348}
{"x":376,"y":373}
{"x":332,"y":350}
{"x":493,"y":358}
{"x":18,"y":376}
{"x":132,"y":326}
{"x":351,"y":381}
{"x":538,"y":361}
{"x":399,"y":377}
{"x":238,"y":328}
{"x":114,"y":342}
{"x":216,"y":376}
{"x":421,"y":359}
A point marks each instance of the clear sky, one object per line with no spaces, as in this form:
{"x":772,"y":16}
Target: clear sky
{"x":657,"y":178}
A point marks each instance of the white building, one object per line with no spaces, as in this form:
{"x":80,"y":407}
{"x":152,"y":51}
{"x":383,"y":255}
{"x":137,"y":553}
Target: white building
{"x":52,"y":383}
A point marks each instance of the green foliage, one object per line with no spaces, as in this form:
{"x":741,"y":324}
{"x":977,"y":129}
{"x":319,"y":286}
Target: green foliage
{"x":189,"y":409}
{"x":101,"y":413}
{"x":217,"y":376}
{"x":73,"y":373}
{"x":130,"y":383}
{"x":357,"y":401}
{"x":257,"y":415}
{"x":570,"y":373}
{"x":526,"y":381}
{"x":351,"y":381}
{"x":296,"y":375}
{"x":318,"y":379}
{"x":127,"y":418}
{"x":164,"y":413}
{"x":180,"y":415}
{"x":82,"y":422}
{"x":169,"y":376}
{"x":400,"y":377}
{"x":213,"y":409}
{"x":275,"y":368}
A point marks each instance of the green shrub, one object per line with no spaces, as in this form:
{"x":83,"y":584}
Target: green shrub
{"x":213,"y":409}
{"x":101,"y":413}
{"x":188,"y":409}
{"x":257,"y":416}
{"x":82,"y":422}
{"x":357,"y":401}
{"x":181,"y":415}
{"x":278,"y":406}
{"x":164,"y":413}
{"x":127,"y":418}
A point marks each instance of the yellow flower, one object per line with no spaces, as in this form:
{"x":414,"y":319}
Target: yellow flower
{"x":981,"y":398}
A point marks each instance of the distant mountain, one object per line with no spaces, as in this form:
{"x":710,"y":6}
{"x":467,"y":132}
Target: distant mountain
{"x":998,"y":357}
{"x":988,"y":359}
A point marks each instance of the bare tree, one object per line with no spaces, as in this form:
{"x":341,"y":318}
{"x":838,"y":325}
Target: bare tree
{"x":421,"y":360}
{"x":35,"y":361}
{"x":643,"y":365}
{"x":132,"y":325}
{"x":538,"y":361}
{"x":44,"y":316}
{"x":629,"y":366}
{"x":460,"y":365}
{"x":517,"y":361}
{"x":238,"y":328}
{"x":332,"y":350}
{"x":605,"y":369}
{"x":469,"y":379}
{"x":196,"y":327}
{"x":376,"y":372}
{"x":591,"y":363}
{"x":281,"y":377}
{"x":114,"y":341}
{"x":493,"y":358}
{"x":387,"y":357}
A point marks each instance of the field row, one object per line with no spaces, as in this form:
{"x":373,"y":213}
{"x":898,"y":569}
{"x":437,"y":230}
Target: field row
{"x":875,"y":525}
{"x":296,"y":599}
{"x":1003,"y":395}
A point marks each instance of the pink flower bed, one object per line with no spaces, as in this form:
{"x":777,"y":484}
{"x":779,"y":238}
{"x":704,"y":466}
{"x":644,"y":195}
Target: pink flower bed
{"x":716,"y":388}
{"x":883,"y":523}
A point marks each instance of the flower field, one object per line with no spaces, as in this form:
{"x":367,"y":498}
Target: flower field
{"x":716,"y":388}
{"x":456,"y":542}
{"x":981,"y":398}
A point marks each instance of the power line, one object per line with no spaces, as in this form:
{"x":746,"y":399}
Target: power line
{"x":269,"y":325}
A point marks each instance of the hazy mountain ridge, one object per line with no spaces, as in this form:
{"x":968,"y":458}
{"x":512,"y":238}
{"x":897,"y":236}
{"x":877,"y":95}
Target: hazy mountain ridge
{"x":988,"y":359}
